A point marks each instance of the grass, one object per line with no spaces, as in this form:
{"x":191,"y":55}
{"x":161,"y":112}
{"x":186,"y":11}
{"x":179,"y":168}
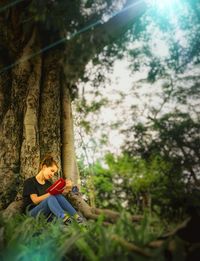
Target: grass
{"x":26,"y":238}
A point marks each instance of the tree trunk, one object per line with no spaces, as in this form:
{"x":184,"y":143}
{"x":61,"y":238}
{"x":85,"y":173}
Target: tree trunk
{"x":36,"y":121}
{"x":19,"y":124}
{"x":35,"y":105}
{"x":50,"y":106}
{"x":69,"y":164}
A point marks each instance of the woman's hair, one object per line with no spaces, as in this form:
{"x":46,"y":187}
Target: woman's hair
{"x":48,"y":161}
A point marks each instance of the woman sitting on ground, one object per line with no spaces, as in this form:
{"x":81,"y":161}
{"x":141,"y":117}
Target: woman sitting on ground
{"x":37,"y":200}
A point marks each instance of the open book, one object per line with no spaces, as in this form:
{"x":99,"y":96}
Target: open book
{"x":57,"y":187}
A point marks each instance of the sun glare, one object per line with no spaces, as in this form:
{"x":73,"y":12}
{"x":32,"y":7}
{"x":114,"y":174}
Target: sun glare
{"x":165,"y":5}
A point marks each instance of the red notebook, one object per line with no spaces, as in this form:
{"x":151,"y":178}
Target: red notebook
{"x":57,"y":187}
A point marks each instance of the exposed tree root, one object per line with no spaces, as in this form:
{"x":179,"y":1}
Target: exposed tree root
{"x":93,"y":213}
{"x":130,"y":246}
{"x":156,"y":243}
{"x":14,"y":208}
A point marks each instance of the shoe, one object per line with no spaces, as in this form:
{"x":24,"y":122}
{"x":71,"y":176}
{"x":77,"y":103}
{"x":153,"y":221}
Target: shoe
{"x":79,"y":220}
{"x":67,"y":220}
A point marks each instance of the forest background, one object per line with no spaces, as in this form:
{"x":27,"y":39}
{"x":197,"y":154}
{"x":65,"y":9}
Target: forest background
{"x":137,"y":130}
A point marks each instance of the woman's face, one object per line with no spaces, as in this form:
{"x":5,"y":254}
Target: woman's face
{"x":49,"y":172}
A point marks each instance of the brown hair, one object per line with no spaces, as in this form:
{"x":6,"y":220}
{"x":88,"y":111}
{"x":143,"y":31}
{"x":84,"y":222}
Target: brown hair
{"x":48,"y":161}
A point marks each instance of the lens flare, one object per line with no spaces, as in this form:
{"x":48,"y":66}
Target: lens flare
{"x":165,"y":5}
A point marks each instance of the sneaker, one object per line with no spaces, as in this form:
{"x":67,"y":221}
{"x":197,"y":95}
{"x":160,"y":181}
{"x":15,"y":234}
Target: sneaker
{"x":79,"y":220}
{"x":67,"y":220}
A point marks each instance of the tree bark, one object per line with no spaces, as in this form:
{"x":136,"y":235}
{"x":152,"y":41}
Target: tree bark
{"x":69,"y":164}
{"x":30,"y":147}
{"x":50,"y":106}
{"x":12,"y":125}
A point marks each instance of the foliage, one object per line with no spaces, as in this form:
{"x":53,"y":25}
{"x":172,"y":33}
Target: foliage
{"x":102,"y":182}
{"x":137,"y":184}
{"x":161,"y":153}
{"x":170,"y":128}
{"x":67,"y":15}
{"x":169,"y":41}
{"x":26,"y":238}
{"x":175,"y":137}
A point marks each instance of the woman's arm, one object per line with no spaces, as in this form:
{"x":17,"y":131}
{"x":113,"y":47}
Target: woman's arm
{"x":37,"y":199}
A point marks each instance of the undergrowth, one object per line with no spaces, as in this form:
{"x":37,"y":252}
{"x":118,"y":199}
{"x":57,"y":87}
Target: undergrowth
{"x":25,"y":238}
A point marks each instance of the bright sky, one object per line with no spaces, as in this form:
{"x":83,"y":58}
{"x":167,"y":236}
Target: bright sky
{"x":122,"y":80}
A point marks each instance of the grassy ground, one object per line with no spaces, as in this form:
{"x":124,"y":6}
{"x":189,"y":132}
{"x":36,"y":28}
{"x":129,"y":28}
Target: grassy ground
{"x":25,"y":238}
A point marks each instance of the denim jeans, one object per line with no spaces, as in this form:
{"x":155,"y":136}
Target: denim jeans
{"x":57,"y":204}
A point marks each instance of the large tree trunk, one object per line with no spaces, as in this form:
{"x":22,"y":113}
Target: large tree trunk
{"x":35,"y":103}
{"x":36,"y":121}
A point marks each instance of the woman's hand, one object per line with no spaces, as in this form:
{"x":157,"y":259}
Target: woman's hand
{"x":68,"y":186}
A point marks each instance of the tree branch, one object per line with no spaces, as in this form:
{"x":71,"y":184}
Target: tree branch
{"x":89,"y":43}
{"x":130,"y":246}
{"x":118,"y":24}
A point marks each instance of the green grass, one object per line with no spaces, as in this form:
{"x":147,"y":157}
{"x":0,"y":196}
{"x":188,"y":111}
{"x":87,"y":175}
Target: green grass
{"x":26,"y":238}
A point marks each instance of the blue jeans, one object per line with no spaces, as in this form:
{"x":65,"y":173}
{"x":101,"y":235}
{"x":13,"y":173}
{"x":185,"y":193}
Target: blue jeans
{"x":57,"y":204}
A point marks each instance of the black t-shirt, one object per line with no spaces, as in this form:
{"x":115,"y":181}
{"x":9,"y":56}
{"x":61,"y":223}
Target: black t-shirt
{"x":31,"y":186}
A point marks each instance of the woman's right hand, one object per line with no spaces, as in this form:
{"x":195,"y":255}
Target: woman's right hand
{"x":68,"y":186}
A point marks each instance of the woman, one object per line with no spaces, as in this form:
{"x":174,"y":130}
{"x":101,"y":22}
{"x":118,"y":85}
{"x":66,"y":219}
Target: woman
{"x":37,"y":200}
